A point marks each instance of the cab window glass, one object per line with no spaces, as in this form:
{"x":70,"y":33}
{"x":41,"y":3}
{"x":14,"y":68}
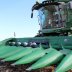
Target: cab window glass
{"x":52,"y":16}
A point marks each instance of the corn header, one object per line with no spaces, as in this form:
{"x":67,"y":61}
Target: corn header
{"x":51,"y":47}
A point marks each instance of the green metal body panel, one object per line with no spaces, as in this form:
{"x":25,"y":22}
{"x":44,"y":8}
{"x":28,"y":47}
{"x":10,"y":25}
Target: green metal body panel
{"x":66,"y":63}
{"x":18,"y":55}
{"x":36,"y":54}
{"x":47,"y":60}
{"x":21,"y":51}
{"x":56,"y":41}
{"x":8,"y":51}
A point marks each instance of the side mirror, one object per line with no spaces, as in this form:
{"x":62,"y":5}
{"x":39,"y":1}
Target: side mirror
{"x":32,"y":15}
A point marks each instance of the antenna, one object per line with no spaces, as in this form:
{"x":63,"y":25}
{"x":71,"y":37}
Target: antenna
{"x":14,"y":34}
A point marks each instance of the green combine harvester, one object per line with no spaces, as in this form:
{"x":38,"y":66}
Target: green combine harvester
{"x":51,"y":48}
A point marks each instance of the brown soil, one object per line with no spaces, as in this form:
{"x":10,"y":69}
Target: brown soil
{"x":7,"y":68}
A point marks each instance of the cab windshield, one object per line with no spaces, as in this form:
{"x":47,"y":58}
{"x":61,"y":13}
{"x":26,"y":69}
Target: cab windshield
{"x":52,"y":16}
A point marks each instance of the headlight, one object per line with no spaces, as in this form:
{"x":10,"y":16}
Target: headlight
{"x":11,"y":43}
{"x":24,"y":44}
{"x":18,"y":43}
{"x":33,"y":44}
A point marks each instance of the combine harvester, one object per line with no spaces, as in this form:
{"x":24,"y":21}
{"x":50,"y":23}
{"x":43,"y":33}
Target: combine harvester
{"x":51,"y":48}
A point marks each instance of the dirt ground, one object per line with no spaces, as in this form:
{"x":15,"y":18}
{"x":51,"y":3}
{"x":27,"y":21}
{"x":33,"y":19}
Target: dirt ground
{"x":7,"y":68}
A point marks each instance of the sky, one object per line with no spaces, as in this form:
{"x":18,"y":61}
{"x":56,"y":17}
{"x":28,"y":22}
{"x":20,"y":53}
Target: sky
{"x":15,"y":16}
